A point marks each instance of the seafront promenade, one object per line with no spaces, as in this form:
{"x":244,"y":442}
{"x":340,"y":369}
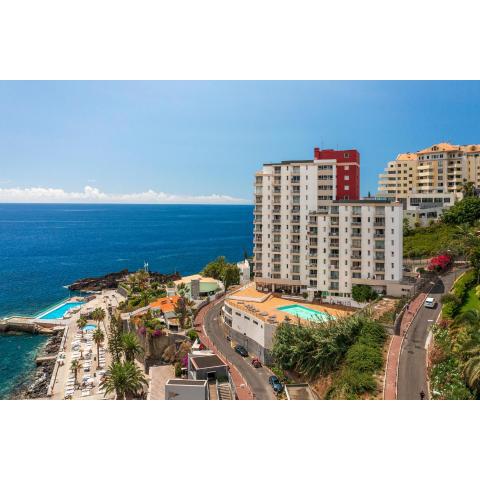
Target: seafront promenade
{"x":79,"y":346}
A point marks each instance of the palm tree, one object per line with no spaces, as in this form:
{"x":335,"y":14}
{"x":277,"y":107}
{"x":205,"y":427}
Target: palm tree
{"x":98,"y":315}
{"x":82,"y":323}
{"x":131,"y":346}
{"x":98,"y":338}
{"x":471,"y":368}
{"x":183,"y":310}
{"x":75,"y":367}
{"x":126,"y":380}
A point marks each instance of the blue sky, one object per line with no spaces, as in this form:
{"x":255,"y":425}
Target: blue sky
{"x":191,"y":140}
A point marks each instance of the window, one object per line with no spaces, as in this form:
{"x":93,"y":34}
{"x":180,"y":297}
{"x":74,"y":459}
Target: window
{"x":347,"y":168}
{"x":347,"y":187}
{"x":346,"y":177}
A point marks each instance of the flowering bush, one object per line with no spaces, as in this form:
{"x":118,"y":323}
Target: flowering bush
{"x":439,"y":263}
{"x":142,"y":331}
{"x":157,"y":333}
{"x":184,"y":361}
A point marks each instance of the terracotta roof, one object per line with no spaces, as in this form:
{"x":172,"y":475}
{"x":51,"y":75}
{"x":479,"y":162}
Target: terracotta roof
{"x":441,"y":147}
{"x":407,"y":156}
{"x":166,"y":304}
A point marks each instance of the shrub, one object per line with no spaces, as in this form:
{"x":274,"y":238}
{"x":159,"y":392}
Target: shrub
{"x":372,"y":333}
{"x":439,"y":263}
{"x":364,"y":358}
{"x":192,"y":335}
{"x":178,"y":370}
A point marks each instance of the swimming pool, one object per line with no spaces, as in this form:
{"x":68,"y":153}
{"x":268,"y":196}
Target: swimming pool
{"x":305,"y":313}
{"x":59,"y":312}
{"x":89,"y":327}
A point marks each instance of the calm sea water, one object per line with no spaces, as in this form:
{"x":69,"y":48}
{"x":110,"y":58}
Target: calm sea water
{"x":45,"y":247}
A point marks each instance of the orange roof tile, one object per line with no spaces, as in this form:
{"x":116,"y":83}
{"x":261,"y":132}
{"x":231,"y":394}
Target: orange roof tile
{"x":166,"y":304}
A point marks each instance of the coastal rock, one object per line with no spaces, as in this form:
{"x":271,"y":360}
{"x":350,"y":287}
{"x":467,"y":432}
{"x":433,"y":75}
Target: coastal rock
{"x":111,"y":281}
{"x":94,"y":284}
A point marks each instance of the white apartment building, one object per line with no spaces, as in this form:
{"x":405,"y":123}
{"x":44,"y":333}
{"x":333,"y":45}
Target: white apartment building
{"x":306,"y":241}
{"x":354,"y":243}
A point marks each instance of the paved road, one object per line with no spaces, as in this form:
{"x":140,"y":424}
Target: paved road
{"x":257,"y":378}
{"x":412,"y":374}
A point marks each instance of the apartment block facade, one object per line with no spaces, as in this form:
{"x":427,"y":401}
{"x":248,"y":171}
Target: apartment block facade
{"x":441,"y":168}
{"x":312,"y":234}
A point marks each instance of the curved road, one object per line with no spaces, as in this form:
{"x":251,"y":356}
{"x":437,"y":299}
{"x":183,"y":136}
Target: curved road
{"x":257,"y":378}
{"x":412,"y":369}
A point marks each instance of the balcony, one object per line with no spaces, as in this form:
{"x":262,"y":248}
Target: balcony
{"x":333,"y":255}
{"x":333,"y":286}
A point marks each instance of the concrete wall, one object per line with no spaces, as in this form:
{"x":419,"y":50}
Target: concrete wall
{"x":220,"y":371}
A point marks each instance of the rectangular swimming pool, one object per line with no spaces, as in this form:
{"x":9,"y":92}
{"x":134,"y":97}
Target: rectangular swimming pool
{"x":305,"y":313}
{"x":60,"y":311}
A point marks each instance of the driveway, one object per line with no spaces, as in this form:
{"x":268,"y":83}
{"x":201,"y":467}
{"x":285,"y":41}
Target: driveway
{"x":412,"y":370}
{"x":257,"y":378}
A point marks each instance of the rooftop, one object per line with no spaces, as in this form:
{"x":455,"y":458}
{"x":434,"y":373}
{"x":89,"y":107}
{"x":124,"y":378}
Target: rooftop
{"x":266,"y":305}
{"x":197,"y":276}
{"x":198,"y":383}
{"x":299,"y":391}
{"x":206,"y":361}
{"x":166,"y":304}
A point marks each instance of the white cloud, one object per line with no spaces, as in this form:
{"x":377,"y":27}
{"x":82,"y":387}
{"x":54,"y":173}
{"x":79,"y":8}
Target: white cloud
{"x":94,"y":195}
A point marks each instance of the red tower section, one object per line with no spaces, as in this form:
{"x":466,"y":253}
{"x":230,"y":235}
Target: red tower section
{"x":348,"y":171}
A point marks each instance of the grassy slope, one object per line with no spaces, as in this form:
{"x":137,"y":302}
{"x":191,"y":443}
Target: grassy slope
{"x":428,"y":241}
{"x":472,"y":301}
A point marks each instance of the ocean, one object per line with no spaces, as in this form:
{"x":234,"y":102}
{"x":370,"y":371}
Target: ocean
{"x":43,"y":248}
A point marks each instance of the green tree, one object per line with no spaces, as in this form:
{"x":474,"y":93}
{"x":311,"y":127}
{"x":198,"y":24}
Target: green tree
{"x":468,"y":189}
{"x":115,"y":339}
{"x":98,"y":315}
{"x":465,"y":211}
{"x":215,"y":269}
{"x":130,"y":346}
{"x":407,"y":229}
{"x":363,"y":293}
{"x":98,"y":338}
{"x":231,"y":275}
{"x":126,"y":380}
{"x":82,"y":323}
{"x":75,"y":366}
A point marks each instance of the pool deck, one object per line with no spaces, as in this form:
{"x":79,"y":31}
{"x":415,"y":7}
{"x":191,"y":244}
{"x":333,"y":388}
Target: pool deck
{"x":269,"y":304}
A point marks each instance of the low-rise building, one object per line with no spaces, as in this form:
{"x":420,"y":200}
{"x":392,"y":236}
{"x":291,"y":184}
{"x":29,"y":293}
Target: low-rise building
{"x":205,"y":365}
{"x":299,"y":391}
{"x":421,"y":209}
{"x":183,"y":389}
{"x":251,"y":318}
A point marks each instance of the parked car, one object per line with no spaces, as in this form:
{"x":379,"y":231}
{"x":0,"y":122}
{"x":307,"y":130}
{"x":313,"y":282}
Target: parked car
{"x":276,"y":384}
{"x":256,"y":362}
{"x":430,"y":303}
{"x":241,"y":351}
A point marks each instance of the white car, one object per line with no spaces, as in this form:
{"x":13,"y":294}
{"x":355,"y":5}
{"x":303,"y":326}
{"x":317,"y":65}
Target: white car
{"x":430,"y":303}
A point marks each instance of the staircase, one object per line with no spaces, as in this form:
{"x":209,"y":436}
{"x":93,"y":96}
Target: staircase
{"x":224,"y":391}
